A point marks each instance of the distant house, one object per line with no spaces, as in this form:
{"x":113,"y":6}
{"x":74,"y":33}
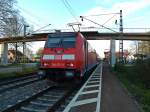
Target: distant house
{"x":12,"y":55}
{"x":108,"y":54}
{"x":144,"y":49}
{"x":20,"y":56}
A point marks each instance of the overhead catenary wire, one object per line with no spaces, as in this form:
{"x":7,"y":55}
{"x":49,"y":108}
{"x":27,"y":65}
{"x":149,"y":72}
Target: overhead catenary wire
{"x":70,"y":9}
{"x":31,"y":15}
{"x":73,"y":12}
{"x":38,"y":18}
{"x":82,"y":17}
{"x":102,"y":25}
{"x":108,"y":20}
{"x":91,"y":27}
{"x":102,"y":14}
{"x":41,"y":28}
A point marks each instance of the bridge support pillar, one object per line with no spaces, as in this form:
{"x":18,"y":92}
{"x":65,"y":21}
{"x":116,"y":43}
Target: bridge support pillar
{"x":112,"y":52}
{"x":4,"y":58}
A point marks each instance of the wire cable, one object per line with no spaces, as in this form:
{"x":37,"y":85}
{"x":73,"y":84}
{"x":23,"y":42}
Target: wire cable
{"x":31,"y":15}
{"x":82,"y":17}
{"x":108,"y":20}
{"x":41,"y":28}
{"x":70,"y":9}
{"x":102,"y":14}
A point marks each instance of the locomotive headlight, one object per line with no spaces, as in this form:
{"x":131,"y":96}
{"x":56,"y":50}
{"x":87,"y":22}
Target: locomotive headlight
{"x":46,"y":63}
{"x":69,"y":64}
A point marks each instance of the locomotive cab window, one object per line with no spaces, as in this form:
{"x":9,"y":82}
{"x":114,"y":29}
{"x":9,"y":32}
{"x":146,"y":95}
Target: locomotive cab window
{"x":53,"y":42}
{"x":66,"y":42}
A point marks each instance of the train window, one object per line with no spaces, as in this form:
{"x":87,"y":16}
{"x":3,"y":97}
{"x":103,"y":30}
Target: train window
{"x":53,"y":42}
{"x":69,"y":39}
{"x":68,"y":42}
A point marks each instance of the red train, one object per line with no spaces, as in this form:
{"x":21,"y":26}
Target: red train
{"x":67,"y":55}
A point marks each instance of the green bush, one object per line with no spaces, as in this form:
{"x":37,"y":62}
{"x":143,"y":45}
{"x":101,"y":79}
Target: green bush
{"x":119,"y":67}
{"x":18,"y":74}
{"x":142,"y":67}
{"x":146,"y":101}
{"x":137,"y":80}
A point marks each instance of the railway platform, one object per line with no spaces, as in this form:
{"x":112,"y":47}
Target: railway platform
{"x":102,"y":92}
{"x":114,"y":96}
{"x":88,"y":97}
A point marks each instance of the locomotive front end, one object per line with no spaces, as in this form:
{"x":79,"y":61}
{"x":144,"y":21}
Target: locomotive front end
{"x":59,"y":55}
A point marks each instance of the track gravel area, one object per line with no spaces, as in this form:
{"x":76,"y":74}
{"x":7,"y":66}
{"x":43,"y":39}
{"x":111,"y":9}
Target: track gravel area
{"x":13,"y":96}
{"x":16,"y":84}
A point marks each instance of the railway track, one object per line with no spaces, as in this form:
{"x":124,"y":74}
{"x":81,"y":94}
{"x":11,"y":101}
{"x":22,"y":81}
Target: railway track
{"x":66,"y":102}
{"x":45,"y":100}
{"x":13,"y":96}
{"x":38,"y":96}
{"x":17,"y":79}
{"x":6,"y":86}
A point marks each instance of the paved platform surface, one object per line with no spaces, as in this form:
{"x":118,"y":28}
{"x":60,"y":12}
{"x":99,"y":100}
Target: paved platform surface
{"x":114,"y":98}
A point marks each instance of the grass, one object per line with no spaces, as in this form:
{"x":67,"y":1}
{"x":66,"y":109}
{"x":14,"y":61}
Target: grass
{"x":129,"y":77}
{"x":25,"y":71}
{"x":11,"y":65}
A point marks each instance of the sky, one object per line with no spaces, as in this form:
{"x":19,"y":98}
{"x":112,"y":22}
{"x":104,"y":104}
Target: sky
{"x":39,"y":13}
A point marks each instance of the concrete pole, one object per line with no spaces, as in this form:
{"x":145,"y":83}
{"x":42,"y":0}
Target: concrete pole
{"x":112,"y":52}
{"x":24,"y":43}
{"x":4,"y":59}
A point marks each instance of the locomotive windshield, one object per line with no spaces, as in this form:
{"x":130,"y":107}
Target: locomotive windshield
{"x":66,"y":42}
{"x":53,"y":42}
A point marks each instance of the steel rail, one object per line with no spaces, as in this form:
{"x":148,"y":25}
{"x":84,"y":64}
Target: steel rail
{"x":27,"y":100}
{"x":4,"y":88}
{"x":17,"y":79}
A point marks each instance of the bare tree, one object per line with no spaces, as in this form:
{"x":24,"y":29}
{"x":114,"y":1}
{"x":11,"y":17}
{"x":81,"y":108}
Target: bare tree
{"x":6,"y":11}
{"x":144,"y":48}
{"x":11,"y":23}
{"x":39,"y":51}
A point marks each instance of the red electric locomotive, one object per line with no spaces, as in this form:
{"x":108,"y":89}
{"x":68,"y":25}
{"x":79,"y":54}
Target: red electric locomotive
{"x":67,"y":55}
